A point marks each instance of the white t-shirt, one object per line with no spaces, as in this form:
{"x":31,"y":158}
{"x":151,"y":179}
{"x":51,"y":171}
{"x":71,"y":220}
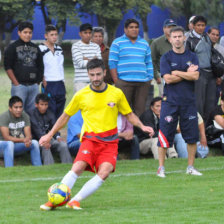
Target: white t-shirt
{"x":53,"y":63}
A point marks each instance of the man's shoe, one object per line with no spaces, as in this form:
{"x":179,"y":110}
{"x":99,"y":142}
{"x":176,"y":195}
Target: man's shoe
{"x":74,"y":205}
{"x":161,"y":172}
{"x":193,"y":171}
{"x":47,"y":206}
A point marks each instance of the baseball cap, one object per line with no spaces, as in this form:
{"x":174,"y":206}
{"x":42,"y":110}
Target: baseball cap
{"x":169,"y":22}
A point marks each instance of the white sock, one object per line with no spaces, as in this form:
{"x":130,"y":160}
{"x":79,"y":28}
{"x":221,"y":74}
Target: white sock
{"x":69,"y":179}
{"x":88,"y":188}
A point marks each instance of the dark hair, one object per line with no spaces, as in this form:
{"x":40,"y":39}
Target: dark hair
{"x":85,"y":26}
{"x":13,"y":100}
{"x":154,"y":100}
{"x":199,"y":18}
{"x":95,"y":63}
{"x":177,"y":28}
{"x":98,"y":30}
{"x":213,"y":28}
{"x":129,"y":21}
{"x":49,"y":28}
{"x":43,"y":97}
{"x":24,"y":25}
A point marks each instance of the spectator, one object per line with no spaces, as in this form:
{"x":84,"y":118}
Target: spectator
{"x":42,"y":120}
{"x":179,"y":68}
{"x":159,"y":47}
{"x":82,"y":52}
{"x":15,"y":134}
{"x":73,"y":134}
{"x":53,"y":81}
{"x":98,"y":38}
{"x":205,"y":87}
{"x":214,"y":35}
{"x":127,"y":137}
{"x":131,"y":65}
{"x":24,"y":66}
{"x":151,"y":118}
{"x":181,"y":146}
{"x":215,"y":126}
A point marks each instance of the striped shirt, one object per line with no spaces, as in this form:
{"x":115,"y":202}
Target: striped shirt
{"x":80,"y":50}
{"x":132,"y":60}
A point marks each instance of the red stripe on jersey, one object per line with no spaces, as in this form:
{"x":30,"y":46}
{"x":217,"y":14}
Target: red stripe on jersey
{"x":163,"y":141}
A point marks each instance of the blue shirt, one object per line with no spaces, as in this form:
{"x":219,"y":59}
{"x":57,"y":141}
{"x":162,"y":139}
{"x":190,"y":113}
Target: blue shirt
{"x":74,"y":127}
{"x":181,"y":93}
{"x":132,"y":60}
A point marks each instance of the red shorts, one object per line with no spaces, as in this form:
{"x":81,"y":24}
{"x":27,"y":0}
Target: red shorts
{"x":96,"y":153}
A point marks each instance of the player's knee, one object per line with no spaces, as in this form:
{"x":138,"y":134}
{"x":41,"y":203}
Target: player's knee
{"x":103,"y":174}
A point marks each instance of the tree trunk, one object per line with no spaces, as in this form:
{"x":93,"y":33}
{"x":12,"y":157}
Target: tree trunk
{"x":145,"y":28}
{"x":8,"y":37}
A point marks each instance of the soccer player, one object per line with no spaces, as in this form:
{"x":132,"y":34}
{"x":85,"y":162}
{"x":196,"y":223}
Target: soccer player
{"x":179,"y":68}
{"x":99,"y":104}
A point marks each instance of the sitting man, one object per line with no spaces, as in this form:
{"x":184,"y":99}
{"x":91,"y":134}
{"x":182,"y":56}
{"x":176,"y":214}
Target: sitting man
{"x":181,"y":145}
{"x":127,"y":137}
{"x":215,"y":125}
{"x":151,"y":118}
{"x":73,"y":133}
{"x":42,"y":120}
{"x":15,"y":134}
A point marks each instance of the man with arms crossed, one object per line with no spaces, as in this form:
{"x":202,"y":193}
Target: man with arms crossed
{"x":99,"y":104}
{"x":179,"y":68}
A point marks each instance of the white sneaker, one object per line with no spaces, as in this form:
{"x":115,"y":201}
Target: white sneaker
{"x":193,"y":171}
{"x":161,"y":172}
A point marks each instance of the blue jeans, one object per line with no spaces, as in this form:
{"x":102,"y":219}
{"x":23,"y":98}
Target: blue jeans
{"x":7,"y":147}
{"x":181,"y":148}
{"x":27,"y":94}
{"x":74,"y":147}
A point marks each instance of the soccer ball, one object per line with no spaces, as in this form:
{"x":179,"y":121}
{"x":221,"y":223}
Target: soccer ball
{"x":59,"y":194}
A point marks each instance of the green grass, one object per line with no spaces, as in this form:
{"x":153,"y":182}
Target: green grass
{"x":133,"y":194}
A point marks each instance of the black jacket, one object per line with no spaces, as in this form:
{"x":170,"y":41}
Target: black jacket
{"x":26,"y":61}
{"x":41,"y":124}
{"x":148,"y":119}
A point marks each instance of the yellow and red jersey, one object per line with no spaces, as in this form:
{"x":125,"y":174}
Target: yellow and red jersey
{"x":99,"y":110}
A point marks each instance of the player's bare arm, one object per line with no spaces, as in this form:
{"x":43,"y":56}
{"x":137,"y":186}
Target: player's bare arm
{"x":171,"y":78}
{"x":60,"y":123}
{"x":133,"y":119}
{"x":191,"y":75}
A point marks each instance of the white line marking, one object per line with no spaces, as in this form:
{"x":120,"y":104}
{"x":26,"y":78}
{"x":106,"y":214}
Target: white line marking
{"x":111,"y":176}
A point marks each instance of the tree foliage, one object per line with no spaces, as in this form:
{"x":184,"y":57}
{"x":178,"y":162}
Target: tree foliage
{"x":211,"y":9}
{"x":58,"y":12}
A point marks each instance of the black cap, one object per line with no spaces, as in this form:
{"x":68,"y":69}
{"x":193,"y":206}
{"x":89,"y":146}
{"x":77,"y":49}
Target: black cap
{"x":169,"y":22}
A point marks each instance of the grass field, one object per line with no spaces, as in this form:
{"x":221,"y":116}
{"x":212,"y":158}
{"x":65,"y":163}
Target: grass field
{"x":133,"y":194}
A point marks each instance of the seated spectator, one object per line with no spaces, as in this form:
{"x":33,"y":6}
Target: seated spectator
{"x":181,"y":145}
{"x":215,"y":126}
{"x":127,"y":137}
{"x":151,"y":118}
{"x":15,"y":134}
{"x":42,"y":120}
{"x":73,"y":133}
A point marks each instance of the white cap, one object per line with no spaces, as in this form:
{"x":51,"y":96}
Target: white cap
{"x":191,"y":19}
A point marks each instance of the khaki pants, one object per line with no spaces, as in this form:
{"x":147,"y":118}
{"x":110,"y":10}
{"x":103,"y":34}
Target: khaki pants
{"x":150,"y":144}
